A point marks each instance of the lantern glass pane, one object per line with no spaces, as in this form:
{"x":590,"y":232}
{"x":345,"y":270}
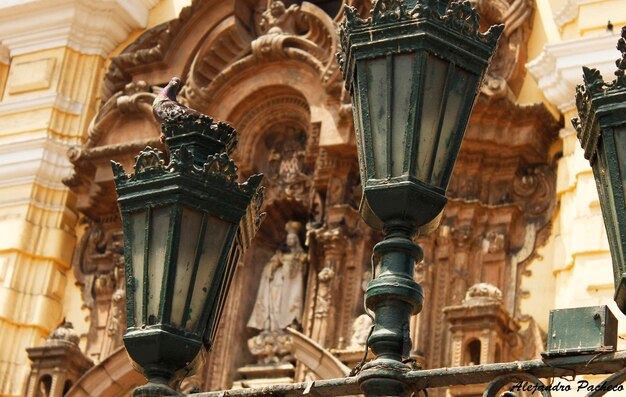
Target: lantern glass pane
{"x":620,"y":146}
{"x":401,"y":108}
{"x":436,"y":72}
{"x":212,"y":248}
{"x":159,"y":231}
{"x":191,"y":223}
{"x":461,"y":89}
{"x":137,"y":243}
{"x":378,"y":98}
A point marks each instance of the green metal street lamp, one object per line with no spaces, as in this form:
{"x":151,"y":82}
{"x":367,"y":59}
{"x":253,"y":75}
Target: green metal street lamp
{"x":601,"y":129}
{"x":185,"y":226}
{"x":413,"y":74}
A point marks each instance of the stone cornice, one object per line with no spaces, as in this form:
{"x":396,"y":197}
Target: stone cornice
{"x":40,"y":159}
{"x":87,"y":26}
{"x":38,"y":101}
{"x":558,"y":69}
{"x":566,"y":14}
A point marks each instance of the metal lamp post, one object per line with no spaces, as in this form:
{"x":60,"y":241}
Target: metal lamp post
{"x":601,"y":129}
{"x":185,"y":226}
{"x":413,"y":75}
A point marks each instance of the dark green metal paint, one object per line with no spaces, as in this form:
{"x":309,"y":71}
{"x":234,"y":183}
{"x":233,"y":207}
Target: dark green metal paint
{"x":146,"y":268}
{"x":581,"y":330}
{"x":558,"y":367}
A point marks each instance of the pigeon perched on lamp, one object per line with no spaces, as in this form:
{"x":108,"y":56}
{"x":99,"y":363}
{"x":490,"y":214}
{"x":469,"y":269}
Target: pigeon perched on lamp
{"x":182,"y":126}
{"x":166,"y":107}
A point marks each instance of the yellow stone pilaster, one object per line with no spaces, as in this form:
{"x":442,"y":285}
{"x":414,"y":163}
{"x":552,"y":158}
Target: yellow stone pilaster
{"x":4,"y":68}
{"x":48,"y":101}
{"x":53,"y":62}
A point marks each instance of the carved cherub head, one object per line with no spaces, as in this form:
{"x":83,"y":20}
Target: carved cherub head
{"x":277,"y":8}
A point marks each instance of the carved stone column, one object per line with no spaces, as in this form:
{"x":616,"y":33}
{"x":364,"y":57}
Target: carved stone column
{"x":332,"y":245}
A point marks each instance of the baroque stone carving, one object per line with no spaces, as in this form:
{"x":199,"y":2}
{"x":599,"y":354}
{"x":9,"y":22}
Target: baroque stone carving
{"x":482,"y":291}
{"x":280,"y":20}
{"x":150,"y":47}
{"x":534,"y":189}
{"x":360,"y":331}
{"x":286,"y":174}
{"x":107,"y":138}
{"x":323,"y":292}
{"x":98,"y":266}
{"x":506,"y":72}
{"x":64,"y":333}
{"x":303,"y":33}
{"x":278,"y":25}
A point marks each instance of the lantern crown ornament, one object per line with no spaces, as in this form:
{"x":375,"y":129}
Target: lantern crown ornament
{"x":186,"y":224}
{"x":413,"y":69}
{"x":601,"y":129}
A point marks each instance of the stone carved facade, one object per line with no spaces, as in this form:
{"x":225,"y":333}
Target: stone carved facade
{"x":270,"y":70}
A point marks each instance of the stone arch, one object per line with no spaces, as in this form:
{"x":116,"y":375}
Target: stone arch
{"x":112,"y":377}
{"x":261,"y":110}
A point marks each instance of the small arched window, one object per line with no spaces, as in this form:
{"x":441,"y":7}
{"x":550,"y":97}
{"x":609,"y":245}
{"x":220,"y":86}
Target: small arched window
{"x":44,"y":385}
{"x":67,"y":386}
{"x":472,"y":353}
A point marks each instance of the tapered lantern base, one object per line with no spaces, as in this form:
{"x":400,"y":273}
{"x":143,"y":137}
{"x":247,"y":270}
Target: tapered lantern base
{"x":164,"y":356}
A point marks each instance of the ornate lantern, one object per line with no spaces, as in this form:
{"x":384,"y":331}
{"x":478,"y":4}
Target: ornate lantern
{"x":185,"y":226}
{"x":413,"y":75}
{"x":601,"y":129}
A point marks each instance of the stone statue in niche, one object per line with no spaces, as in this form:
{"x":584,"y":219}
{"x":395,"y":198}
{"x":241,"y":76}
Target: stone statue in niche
{"x":279,"y":300}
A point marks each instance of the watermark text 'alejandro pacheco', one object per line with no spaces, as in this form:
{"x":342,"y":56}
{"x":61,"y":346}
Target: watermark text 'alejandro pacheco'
{"x":581,"y":385}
